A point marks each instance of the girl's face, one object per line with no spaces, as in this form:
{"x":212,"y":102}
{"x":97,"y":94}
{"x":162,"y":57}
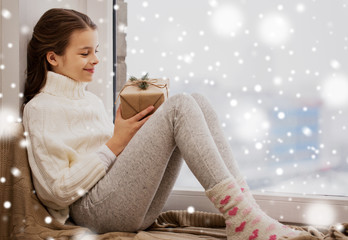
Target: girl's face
{"x":80,"y":57}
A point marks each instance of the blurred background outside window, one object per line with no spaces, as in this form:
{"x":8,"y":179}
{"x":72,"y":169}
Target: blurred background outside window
{"x":276,"y":73}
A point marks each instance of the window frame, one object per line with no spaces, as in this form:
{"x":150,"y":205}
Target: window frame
{"x":285,"y":207}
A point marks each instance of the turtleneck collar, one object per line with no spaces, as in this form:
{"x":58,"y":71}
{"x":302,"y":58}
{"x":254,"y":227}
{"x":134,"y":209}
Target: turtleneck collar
{"x":60,"y":85}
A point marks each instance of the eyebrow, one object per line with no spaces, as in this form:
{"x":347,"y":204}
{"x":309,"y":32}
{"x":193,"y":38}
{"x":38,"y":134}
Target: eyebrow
{"x":83,"y":48}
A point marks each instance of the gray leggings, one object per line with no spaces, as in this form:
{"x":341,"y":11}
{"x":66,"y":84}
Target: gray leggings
{"x":132,"y":194}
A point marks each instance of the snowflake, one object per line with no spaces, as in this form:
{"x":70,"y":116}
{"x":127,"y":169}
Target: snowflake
{"x":7,"y":204}
{"x":15,"y":172}
{"x":48,"y":220}
{"x":6,"y":14}
{"x":190,"y":209}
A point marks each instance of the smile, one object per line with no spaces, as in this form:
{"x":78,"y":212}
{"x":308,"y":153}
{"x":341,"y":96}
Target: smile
{"x":89,"y":70}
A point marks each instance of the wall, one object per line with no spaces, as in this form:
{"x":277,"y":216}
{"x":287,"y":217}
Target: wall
{"x":10,"y":84}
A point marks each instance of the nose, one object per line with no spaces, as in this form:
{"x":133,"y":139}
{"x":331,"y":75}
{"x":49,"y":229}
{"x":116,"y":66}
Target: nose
{"x":95,"y":60}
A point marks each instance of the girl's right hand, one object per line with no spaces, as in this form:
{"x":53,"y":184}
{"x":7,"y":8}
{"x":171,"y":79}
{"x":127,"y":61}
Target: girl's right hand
{"x":125,"y":129}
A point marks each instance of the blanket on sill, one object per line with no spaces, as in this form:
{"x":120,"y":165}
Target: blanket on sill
{"x":23,"y":216}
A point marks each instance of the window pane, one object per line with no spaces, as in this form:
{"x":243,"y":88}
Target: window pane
{"x":275,"y":72}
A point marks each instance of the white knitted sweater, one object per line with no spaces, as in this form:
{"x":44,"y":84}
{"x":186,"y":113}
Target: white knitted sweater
{"x":66,"y":126}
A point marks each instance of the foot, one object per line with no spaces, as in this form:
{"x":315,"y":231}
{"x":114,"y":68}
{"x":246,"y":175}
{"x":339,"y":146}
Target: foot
{"x":244,"y":221}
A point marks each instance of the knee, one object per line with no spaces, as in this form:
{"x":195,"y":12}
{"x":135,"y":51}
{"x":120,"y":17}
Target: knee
{"x":180,"y":100}
{"x":179,"y":105}
{"x":180,"y":97}
{"x":200,"y":98}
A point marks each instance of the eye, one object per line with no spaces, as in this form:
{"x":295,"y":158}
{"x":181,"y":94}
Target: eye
{"x":84,"y":54}
{"x":96,"y":51}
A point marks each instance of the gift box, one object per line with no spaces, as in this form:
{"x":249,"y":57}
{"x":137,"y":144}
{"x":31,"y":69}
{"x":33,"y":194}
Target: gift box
{"x":137,"y":95}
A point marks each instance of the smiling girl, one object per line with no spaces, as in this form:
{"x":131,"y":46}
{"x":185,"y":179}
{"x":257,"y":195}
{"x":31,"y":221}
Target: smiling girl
{"x":118,"y":177}
{"x":80,"y":56}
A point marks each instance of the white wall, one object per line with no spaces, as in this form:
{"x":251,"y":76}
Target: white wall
{"x":101,"y":13}
{"x":17,"y":29}
{"x":10,"y":56}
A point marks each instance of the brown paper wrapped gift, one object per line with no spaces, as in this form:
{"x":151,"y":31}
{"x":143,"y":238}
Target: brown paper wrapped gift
{"x":135,"y":99}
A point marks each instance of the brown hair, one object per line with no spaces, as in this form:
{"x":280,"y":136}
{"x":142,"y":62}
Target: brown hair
{"x":51,"y":33}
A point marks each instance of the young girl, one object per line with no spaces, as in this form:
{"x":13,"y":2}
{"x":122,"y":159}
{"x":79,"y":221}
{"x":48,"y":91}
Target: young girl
{"x":118,"y":177}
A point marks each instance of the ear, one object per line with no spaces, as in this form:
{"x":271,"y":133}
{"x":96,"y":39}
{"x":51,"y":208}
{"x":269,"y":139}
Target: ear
{"x":52,"y":58}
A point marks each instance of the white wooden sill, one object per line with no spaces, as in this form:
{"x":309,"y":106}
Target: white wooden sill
{"x":290,"y":208}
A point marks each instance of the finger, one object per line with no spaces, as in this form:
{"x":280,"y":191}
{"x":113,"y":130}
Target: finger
{"x":119,"y":113}
{"x":143,"y":121}
{"x":143,"y":113}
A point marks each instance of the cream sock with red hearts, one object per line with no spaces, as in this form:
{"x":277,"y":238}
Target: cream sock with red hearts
{"x":247,"y":194}
{"x":246,"y":191}
{"x":243,"y":220}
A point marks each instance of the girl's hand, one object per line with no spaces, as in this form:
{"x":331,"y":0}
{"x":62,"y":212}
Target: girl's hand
{"x":125,"y":129}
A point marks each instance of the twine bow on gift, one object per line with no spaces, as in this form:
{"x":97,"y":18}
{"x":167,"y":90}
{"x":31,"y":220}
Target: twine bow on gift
{"x":144,"y":84}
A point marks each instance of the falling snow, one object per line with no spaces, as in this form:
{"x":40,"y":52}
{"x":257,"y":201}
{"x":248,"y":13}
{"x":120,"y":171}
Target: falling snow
{"x":15,"y":172}
{"x":7,"y":204}
{"x":278,"y":86}
{"x":48,"y":220}
{"x":320,"y":214}
{"x":190,"y":209}
{"x":6,"y":14}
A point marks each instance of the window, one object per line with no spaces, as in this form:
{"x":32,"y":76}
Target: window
{"x":275,"y":72}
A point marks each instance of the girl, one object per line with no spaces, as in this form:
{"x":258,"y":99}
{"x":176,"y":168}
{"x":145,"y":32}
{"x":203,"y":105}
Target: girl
{"x":118,"y":177}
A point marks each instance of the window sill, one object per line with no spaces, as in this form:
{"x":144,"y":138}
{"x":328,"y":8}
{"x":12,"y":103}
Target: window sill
{"x":290,"y":208}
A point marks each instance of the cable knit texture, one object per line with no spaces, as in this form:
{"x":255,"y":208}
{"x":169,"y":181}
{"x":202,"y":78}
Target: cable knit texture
{"x":60,"y":121}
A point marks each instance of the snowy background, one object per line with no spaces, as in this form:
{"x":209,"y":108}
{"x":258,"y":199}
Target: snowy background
{"x":275,"y":70}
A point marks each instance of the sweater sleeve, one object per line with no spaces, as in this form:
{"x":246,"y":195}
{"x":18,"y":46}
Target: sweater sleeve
{"x":61,"y":175}
{"x":106,"y":156}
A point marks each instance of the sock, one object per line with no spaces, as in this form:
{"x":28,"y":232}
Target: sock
{"x":246,"y":191}
{"x":243,"y":220}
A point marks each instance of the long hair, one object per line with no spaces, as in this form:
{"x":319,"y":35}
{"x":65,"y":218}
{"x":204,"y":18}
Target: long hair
{"x":51,"y":33}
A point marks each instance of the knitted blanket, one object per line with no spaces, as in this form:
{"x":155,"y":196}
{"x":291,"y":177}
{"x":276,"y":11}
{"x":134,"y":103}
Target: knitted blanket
{"x":24,"y":217}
